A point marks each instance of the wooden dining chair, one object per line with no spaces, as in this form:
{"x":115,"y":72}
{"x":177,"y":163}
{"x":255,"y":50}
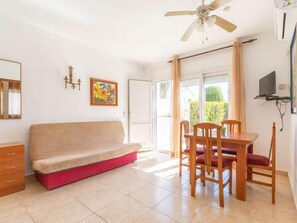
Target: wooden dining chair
{"x":265,"y":164}
{"x":211,"y":136}
{"x":231,"y":127}
{"x":184,"y":151}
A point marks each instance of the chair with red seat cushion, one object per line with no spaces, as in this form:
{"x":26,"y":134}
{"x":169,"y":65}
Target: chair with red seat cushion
{"x":211,"y":136}
{"x":231,"y":127}
{"x":199,"y":150}
{"x":265,"y":164}
{"x":184,"y":153}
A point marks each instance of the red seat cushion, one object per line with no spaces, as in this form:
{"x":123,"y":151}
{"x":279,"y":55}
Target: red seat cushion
{"x":214,"y":161}
{"x":257,"y":159}
{"x":199,"y":150}
{"x":225,"y":150}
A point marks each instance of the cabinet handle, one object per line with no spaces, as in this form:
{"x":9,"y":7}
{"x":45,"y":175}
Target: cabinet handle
{"x":10,"y":167}
{"x":10,"y":154}
{"x":10,"y":181}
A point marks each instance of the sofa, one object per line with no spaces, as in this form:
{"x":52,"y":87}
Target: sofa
{"x":62,"y":153}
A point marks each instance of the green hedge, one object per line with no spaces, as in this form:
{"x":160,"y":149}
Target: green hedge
{"x":215,"y":112}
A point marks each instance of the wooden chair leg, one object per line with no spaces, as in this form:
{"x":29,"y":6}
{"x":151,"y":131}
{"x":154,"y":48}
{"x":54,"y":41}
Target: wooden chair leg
{"x":203,"y":174}
{"x":193,"y":189}
{"x":221,"y":189}
{"x":230,"y":180}
{"x":180,"y":164}
{"x":273,"y":188}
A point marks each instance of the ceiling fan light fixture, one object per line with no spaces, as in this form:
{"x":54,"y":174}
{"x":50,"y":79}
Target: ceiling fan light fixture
{"x":211,"y":21}
{"x":200,"y":27}
{"x":204,"y":20}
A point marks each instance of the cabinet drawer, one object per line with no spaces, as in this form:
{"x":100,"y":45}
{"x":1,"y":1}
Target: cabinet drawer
{"x":12,"y":170}
{"x":9,"y":181}
{"x":11,"y":153}
{"x":11,"y":164}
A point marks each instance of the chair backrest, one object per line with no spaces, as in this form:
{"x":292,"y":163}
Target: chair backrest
{"x":184,"y":129}
{"x":231,"y":125}
{"x":272,"y":151}
{"x":210,"y":136}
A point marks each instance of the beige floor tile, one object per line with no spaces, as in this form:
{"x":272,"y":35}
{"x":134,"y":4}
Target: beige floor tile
{"x":98,"y":199}
{"x":180,"y":208}
{"x":83,"y":187}
{"x":218,"y":215}
{"x":124,"y":210}
{"x":110,"y":177}
{"x":150,"y":195}
{"x":128,"y":184}
{"x":32,"y":189}
{"x":92,"y":219}
{"x":152,"y":181}
{"x":174,"y":184}
{"x":9,"y":202}
{"x":153,"y":216}
{"x":18,"y":216}
{"x":70,"y":211}
{"x":46,"y":200}
{"x":139,"y":174}
{"x":13,"y":210}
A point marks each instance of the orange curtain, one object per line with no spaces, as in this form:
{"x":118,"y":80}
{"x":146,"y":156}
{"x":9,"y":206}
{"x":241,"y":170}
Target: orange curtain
{"x":237,"y":87}
{"x":175,"y":72}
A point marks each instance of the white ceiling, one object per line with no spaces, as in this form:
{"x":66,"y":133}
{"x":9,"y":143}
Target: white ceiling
{"x":137,"y":29}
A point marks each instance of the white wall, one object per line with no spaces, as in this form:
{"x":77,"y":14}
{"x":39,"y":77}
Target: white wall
{"x":266,"y":55}
{"x":45,"y":62}
{"x":293,"y":157}
{"x":260,"y":58}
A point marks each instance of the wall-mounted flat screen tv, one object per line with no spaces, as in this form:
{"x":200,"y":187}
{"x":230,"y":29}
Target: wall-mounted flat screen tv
{"x":267,"y":85}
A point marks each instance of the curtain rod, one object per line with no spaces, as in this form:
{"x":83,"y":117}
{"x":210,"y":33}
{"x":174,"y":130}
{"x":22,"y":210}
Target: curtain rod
{"x":210,"y":51}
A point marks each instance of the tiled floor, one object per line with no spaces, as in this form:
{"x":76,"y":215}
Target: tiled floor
{"x":148,"y":190}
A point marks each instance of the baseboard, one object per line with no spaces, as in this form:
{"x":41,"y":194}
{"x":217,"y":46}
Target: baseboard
{"x":281,"y":172}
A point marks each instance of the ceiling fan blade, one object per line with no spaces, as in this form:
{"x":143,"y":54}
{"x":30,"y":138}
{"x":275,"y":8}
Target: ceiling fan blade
{"x":194,"y":25}
{"x":224,"y":24}
{"x":176,"y":13}
{"x":218,"y":3}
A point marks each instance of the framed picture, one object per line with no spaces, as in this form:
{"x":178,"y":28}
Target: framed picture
{"x":104,"y":93}
{"x":293,"y":75}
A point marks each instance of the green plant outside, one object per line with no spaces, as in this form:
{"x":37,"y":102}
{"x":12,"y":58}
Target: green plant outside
{"x":215,"y":112}
{"x":216,"y":109}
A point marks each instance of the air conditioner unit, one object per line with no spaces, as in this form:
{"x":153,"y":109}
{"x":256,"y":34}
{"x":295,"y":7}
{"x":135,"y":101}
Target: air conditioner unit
{"x":284,"y":23}
{"x":280,"y":23}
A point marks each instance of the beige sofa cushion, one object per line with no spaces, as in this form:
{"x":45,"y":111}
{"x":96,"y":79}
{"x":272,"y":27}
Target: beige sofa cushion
{"x":52,"y":140}
{"x":63,"y":162}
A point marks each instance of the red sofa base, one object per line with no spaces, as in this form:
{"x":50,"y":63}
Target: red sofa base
{"x":58,"y":179}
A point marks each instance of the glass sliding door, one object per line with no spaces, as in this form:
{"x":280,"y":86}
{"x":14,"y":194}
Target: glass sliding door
{"x":163,"y":115}
{"x":205,"y":99}
{"x":190,"y":101}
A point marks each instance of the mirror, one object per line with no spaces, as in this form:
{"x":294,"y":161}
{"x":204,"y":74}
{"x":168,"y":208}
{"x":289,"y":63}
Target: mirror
{"x":10,"y":89}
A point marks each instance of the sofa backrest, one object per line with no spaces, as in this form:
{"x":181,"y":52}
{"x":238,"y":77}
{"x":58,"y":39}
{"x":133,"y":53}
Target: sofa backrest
{"x":50,"y":140}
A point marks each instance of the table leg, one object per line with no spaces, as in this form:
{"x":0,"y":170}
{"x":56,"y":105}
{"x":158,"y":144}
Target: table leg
{"x":192,"y":168}
{"x":250,"y":170}
{"x":240,"y":173}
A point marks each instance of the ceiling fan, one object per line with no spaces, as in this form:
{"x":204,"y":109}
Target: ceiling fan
{"x":204,"y":17}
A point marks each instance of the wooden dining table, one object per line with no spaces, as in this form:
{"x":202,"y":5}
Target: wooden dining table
{"x":243,"y":143}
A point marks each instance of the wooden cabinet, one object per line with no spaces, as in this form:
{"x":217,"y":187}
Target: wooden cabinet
{"x":12,"y":168}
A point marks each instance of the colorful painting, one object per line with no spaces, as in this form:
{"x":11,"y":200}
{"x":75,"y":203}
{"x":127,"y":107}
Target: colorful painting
{"x":104,"y":92}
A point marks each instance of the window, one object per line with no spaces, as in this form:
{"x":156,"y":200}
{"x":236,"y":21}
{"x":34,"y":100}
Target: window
{"x":212,"y":91}
{"x":163,"y":115}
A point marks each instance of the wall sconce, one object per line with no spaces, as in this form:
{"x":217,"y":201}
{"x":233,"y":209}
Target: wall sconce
{"x":70,"y":79}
